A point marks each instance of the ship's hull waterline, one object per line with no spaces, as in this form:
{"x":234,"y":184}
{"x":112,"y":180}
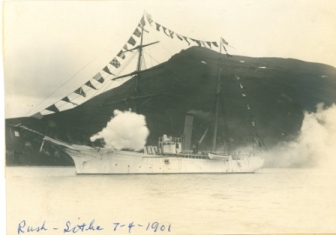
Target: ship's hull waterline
{"x":124,"y":162}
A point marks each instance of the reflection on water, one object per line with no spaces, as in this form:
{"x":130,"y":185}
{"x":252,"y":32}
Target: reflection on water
{"x":271,"y":201}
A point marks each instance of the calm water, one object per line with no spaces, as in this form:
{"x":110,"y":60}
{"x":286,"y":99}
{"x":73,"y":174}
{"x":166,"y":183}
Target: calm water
{"x":271,"y":201}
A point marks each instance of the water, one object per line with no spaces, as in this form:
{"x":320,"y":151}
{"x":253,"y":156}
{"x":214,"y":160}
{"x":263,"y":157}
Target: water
{"x":270,"y":201}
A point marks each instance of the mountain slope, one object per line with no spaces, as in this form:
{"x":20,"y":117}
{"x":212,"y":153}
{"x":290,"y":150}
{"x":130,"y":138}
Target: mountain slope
{"x":277,"y":90}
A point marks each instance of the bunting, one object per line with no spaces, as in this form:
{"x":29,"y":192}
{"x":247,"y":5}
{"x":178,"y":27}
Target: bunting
{"x":53,"y":108}
{"x":224,"y":42}
{"x":142,"y":21}
{"x":179,"y":37}
{"x":66,"y":99}
{"x":149,"y":18}
{"x":164,"y":30}
{"x":131,"y":41}
{"x":80,"y":91}
{"x":158,"y":26}
{"x":171,"y":33}
{"x":99,"y":77}
{"x":186,"y":39}
{"x":115,"y":63}
{"x":89,"y":84}
{"x":121,"y":54}
{"x":137,"y":33}
{"x":37,"y":115}
{"x":215,"y":44}
{"x":106,"y":69}
{"x":224,"y":48}
{"x":197,"y":41}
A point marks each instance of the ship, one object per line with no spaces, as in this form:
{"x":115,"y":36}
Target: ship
{"x":171,"y":155}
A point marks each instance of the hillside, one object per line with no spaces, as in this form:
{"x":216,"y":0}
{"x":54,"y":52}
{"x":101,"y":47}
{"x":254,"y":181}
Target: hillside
{"x":277,"y":90}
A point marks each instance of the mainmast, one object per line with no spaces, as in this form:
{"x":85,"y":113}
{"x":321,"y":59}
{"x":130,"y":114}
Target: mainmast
{"x":218,"y":91}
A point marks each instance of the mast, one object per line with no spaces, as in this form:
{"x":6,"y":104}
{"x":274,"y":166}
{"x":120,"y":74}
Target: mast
{"x":138,"y":77}
{"x":218,"y":91}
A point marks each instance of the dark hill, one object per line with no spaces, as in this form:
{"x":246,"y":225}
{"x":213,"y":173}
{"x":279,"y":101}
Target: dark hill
{"x":278,"y":95}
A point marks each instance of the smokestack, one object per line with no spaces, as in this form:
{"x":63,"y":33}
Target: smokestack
{"x":187,"y":133}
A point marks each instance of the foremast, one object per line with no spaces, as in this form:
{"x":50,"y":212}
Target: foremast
{"x":138,"y":76}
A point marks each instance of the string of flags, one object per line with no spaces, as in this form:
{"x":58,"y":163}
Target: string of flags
{"x":170,"y":33}
{"x":116,"y":62}
{"x":243,"y":94}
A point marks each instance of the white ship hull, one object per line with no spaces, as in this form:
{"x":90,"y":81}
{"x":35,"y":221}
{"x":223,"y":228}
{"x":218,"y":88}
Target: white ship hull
{"x":91,"y":161}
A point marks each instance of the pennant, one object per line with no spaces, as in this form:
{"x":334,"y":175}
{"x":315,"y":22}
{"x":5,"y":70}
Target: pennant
{"x":115,"y":63}
{"x":37,"y":115}
{"x":171,"y":33}
{"x":215,"y":44}
{"x":164,"y":30}
{"x":179,"y":37}
{"x":224,"y":42}
{"x":203,"y":43}
{"x":121,"y":54}
{"x":106,"y":69}
{"x":224,"y":48}
{"x":237,"y":77}
{"x":99,"y":77}
{"x":158,"y":26}
{"x":131,"y":41}
{"x":253,"y":124}
{"x":89,"y":84}
{"x":53,"y":108}
{"x":149,"y":18}
{"x":142,"y":21}
{"x":241,"y":86}
{"x":125,"y":47}
{"x":186,"y":39}
{"x":66,"y":99}
{"x":248,"y":107}
{"x":209,"y":44}
{"x":137,"y":33}
{"x":228,"y":55}
{"x":243,"y":95}
{"x":198,"y":42}
{"x":80,"y":91}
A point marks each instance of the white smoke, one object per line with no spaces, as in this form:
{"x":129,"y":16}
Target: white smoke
{"x":314,"y":147}
{"x":124,"y":130}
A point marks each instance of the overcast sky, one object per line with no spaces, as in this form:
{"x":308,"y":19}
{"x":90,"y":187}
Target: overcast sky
{"x":52,"y":43}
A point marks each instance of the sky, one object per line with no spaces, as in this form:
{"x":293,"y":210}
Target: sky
{"x":51,"y":48}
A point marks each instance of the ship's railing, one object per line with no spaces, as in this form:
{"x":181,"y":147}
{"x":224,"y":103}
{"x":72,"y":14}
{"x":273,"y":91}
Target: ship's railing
{"x":153,"y":150}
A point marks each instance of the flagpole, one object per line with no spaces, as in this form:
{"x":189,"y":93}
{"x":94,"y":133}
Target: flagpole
{"x":138,"y":77}
{"x":214,"y":143}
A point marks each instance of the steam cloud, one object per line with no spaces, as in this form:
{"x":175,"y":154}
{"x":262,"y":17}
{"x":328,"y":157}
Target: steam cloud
{"x":314,"y":147}
{"x":124,"y":130}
